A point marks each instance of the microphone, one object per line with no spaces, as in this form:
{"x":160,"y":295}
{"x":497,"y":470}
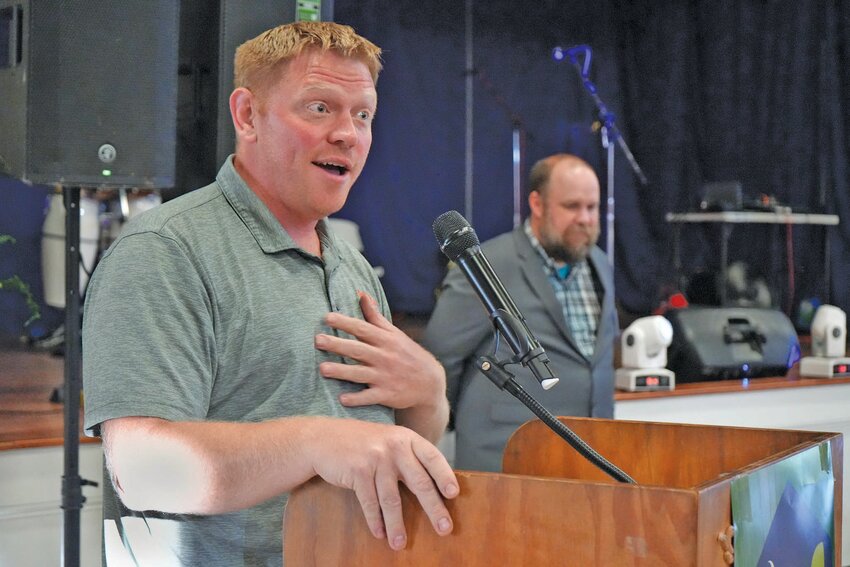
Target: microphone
{"x":459,"y":242}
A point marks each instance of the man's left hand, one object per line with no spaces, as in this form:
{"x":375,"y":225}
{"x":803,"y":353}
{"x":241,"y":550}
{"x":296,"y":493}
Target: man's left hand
{"x":398,"y":372}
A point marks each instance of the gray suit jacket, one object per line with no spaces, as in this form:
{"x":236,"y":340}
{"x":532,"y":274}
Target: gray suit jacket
{"x":460,"y":331}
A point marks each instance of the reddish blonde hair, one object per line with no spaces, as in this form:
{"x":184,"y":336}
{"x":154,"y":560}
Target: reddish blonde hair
{"x":258,"y":60}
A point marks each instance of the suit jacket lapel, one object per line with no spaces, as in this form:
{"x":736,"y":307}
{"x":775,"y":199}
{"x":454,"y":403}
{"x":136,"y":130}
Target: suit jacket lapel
{"x":540,"y":285}
{"x":607,"y":287}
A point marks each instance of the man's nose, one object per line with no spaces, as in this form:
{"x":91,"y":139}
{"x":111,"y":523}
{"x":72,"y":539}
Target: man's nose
{"x":586,"y":215}
{"x":344,"y":131}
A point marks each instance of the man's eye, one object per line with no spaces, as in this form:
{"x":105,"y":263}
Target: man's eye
{"x":364,"y":115}
{"x":318,"y":107}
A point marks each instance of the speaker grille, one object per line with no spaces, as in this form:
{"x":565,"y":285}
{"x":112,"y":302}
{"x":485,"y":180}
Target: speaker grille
{"x":102,"y":72}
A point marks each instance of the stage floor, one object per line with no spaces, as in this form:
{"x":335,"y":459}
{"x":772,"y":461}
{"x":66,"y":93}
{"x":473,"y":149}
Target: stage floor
{"x":27,"y":416}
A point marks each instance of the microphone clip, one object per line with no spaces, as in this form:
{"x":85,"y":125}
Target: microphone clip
{"x":528,"y":351}
{"x":495,"y":371}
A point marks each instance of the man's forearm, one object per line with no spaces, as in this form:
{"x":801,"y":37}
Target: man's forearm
{"x":211,"y":468}
{"x":207,"y":467}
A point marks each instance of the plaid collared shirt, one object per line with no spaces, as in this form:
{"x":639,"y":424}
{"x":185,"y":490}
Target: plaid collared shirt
{"x":576,"y":292}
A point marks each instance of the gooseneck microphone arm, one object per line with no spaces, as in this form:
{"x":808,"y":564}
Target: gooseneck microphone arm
{"x":504,"y":380}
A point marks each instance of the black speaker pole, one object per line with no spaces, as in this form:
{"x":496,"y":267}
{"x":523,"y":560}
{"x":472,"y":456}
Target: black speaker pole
{"x":72,"y":497}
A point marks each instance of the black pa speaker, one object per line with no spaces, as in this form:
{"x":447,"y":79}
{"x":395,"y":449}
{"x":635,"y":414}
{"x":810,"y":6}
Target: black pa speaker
{"x":716,"y":343}
{"x":210,"y":32}
{"x":88,"y":91}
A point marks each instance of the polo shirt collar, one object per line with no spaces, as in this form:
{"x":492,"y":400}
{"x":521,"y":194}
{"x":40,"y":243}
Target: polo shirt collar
{"x":259,"y":220}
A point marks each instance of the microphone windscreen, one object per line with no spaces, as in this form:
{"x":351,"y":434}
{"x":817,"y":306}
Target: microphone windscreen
{"x":454,"y":234}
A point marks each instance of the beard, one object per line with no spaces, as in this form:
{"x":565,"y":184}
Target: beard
{"x":561,"y":251}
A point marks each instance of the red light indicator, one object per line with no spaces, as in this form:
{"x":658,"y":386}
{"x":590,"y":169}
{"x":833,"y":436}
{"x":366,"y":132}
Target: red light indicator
{"x":841,"y":368}
{"x":652,"y":381}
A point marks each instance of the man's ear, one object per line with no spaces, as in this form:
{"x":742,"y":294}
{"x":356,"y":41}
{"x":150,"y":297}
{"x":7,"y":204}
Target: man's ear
{"x":535,"y":204}
{"x":243,"y":111}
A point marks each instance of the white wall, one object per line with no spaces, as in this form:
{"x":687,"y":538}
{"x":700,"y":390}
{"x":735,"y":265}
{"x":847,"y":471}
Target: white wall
{"x":31,"y":517}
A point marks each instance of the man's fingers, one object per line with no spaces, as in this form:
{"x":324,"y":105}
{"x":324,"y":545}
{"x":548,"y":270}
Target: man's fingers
{"x":363,"y":330}
{"x":365,"y":397}
{"x":371,"y":312}
{"x":352,"y":349}
{"x":350,"y":372}
{"x":368,"y":498}
{"x":386,"y":483}
{"x":438,"y":468}
{"x":421,"y":483}
{"x":375,"y":458}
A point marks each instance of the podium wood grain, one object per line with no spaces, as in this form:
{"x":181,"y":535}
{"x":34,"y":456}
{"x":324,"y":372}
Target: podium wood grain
{"x":552,"y":507}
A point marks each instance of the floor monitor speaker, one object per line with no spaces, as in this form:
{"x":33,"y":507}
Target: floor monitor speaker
{"x":715,"y":343}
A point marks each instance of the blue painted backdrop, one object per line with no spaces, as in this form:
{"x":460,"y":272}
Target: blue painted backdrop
{"x":22,"y":210}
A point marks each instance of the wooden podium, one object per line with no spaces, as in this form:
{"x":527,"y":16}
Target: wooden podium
{"x":554,"y":507}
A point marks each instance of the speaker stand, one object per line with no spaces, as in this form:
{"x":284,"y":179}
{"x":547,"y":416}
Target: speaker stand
{"x":72,"y":494}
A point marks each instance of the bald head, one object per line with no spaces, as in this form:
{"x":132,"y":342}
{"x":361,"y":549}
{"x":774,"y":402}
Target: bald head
{"x":564,"y":202}
{"x":541,"y":172}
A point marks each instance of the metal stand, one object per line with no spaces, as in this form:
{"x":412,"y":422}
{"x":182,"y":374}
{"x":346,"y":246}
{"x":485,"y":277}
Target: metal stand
{"x":72,"y":496}
{"x":518,"y":132}
{"x":518,"y":142}
{"x":609,"y":201}
{"x":469,"y":147}
{"x":610,"y":133}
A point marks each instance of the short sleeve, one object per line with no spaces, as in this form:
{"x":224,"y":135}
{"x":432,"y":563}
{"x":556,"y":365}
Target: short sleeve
{"x":148,"y":334}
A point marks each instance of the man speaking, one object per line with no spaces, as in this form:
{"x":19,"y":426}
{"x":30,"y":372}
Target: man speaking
{"x":234,"y":348}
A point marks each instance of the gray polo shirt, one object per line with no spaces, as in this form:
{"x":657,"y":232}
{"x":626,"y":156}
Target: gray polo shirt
{"x":205,"y":309}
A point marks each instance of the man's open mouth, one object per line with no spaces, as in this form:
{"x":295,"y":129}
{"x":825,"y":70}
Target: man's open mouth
{"x":332,"y":167}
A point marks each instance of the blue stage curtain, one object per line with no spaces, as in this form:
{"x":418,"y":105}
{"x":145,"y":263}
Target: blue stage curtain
{"x":701,"y":91}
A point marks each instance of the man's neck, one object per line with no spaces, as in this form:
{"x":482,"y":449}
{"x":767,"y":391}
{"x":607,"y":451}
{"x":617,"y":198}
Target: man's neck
{"x":307,"y":239}
{"x":302,"y":231}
